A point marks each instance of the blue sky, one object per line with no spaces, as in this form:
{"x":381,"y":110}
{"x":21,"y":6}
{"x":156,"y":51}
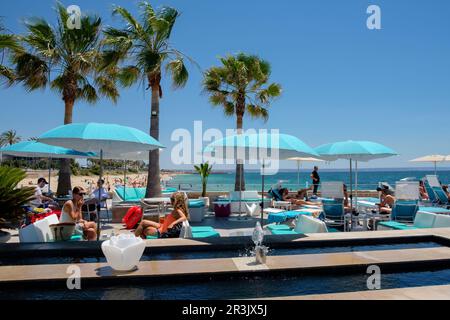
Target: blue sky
{"x":340,"y":80}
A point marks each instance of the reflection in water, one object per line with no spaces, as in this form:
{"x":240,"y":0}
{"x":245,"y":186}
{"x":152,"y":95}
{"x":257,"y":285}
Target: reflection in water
{"x":123,"y":294}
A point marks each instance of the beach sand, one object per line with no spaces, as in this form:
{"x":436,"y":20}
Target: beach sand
{"x":87,"y":181}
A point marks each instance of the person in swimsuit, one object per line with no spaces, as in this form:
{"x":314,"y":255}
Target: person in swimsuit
{"x":173,"y":222}
{"x":299,"y":202}
{"x":71,"y":213}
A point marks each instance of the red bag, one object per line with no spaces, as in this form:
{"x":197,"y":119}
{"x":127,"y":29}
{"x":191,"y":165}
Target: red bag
{"x":132,"y":218}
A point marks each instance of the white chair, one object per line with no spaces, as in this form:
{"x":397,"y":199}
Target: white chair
{"x":123,"y":252}
{"x":39,"y":231}
{"x":332,"y":190}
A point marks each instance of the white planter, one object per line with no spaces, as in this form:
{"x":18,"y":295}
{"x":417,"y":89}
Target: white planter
{"x":124,"y":252}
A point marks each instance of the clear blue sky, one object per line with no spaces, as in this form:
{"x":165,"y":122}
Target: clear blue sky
{"x":341,"y":81}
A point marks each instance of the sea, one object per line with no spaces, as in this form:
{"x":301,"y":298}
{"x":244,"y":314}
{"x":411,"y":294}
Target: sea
{"x":368,"y":179}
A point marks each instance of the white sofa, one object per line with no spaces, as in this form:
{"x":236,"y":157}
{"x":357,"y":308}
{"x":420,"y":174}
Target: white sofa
{"x":39,"y":231}
{"x":305,"y":224}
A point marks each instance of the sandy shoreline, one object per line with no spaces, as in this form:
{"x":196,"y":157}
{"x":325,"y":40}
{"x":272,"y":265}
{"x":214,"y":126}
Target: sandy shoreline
{"x":138,"y":179}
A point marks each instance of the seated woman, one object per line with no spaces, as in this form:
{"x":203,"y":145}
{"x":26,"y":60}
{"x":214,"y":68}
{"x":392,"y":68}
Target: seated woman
{"x":423,"y":191}
{"x":387,"y":200}
{"x":173,"y":222}
{"x":71,"y":213}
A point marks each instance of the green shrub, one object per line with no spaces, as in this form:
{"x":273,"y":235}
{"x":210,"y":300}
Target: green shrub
{"x":12,"y":198}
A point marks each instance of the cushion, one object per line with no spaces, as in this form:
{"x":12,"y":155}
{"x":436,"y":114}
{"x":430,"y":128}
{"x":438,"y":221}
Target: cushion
{"x":272,"y":227}
{"x":283,"y":232}
{"x":424,"y":220}
{"x":206,"y":234}
{"x":196,"y":204}
{"x":202,"y":229}
{"x":442,"y":221}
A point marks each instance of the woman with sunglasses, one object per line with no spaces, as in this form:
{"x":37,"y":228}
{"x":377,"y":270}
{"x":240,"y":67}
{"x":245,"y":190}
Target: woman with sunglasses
{"x":71,"y":213}
{"x":171,"y":228}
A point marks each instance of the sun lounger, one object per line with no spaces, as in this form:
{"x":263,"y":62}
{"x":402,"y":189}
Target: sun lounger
{"x":423,"y":220}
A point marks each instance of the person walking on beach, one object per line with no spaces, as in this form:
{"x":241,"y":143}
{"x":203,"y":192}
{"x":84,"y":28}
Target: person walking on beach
{"x":315,"y":179}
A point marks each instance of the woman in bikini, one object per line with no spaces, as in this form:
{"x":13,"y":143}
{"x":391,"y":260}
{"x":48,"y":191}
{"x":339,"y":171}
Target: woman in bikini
{"x":173,"y":222}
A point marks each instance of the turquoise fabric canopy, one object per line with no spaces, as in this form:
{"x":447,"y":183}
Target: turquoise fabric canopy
{"x":261,"y":146}
{"x":354,"y":150}
{"x":35,"y":149}
{"x":93,"y":137}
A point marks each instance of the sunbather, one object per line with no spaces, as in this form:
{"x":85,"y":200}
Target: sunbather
{"x":71,"y":213}
{"x":445,"y":188}
{"x":173,"y":222}
{"x":294,"y":200}
{"x":387,"y":200}
{"x":423,"y":191}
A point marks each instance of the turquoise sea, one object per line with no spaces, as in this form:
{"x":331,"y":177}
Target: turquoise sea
{"x":367,"y":179}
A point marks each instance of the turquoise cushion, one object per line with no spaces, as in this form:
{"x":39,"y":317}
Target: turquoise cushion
{"x":76,"y":238}
{"x":196,"y":204}
{"x":396,"y":225}
{"x":333,"y":230}
{"x":152,"y":237}
{"x":283,"y":232}
{"x":272,"y":227}
{"x":202,"y":229}
{"x":207,"y":234}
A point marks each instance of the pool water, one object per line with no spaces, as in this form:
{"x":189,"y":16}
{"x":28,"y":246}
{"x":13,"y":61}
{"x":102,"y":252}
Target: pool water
{"x":235,"y":288}
{"x":245,"y":252}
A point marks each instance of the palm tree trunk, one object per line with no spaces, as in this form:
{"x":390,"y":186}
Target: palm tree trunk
{"x":239,"y":183}
{"x":153,"y":181}
{"x":64,"y":182}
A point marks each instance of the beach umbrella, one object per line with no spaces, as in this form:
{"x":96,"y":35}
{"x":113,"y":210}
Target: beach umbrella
{"x":260,"y":147}
{"x":34,"y":149}
{"x":354,"y":151}
{"x":299,"y":160}
{"x":433,"y":159}
{"x":108,"y":139}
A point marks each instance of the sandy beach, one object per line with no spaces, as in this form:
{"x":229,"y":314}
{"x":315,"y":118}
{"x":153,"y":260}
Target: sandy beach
{"x":138,"y":179}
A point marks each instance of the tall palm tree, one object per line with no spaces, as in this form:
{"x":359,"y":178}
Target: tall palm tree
{"x":8,"y":44}
{"x":240,"y":85}
{"x":65,"y":60}
{"x":142,"y":48}
{"x":9,"y":138}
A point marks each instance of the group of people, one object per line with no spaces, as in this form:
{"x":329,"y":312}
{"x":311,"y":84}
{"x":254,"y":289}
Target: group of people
{"x":72,"y":210}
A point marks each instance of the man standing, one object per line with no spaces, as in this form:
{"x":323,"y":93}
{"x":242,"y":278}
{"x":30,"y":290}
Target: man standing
{"x":315,"y":179}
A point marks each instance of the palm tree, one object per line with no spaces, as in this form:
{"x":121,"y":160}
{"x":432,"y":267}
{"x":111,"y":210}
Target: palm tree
{"x":65,"y":60}
{"x":9,"y":138}
{"x":143,"y":48}
{"x":8,"y":43}
{"x":240,"y":85}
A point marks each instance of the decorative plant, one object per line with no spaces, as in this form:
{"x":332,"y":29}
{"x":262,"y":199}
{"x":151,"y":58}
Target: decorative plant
{"x":12,"y":199}
{"x":204,"y":170}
